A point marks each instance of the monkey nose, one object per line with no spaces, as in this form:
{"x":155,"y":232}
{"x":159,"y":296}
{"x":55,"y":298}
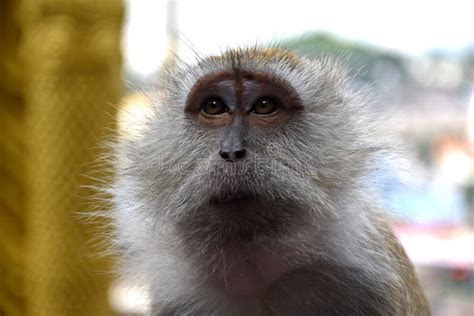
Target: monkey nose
{"x":233,"y":154}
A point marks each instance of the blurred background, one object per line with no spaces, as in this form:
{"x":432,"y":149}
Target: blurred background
{"x":68,"y":69}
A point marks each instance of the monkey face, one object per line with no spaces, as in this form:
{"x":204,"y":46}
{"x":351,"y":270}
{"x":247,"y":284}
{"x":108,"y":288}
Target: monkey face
{"x":239,"y":110}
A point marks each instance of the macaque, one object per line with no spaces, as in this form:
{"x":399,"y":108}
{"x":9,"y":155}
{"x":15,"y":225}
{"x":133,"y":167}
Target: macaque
{"x":250,"y":191}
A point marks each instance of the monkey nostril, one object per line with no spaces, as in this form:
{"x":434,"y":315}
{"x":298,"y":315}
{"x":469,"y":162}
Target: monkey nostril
{"x":239,"y":154}
{"x":224,"y":154}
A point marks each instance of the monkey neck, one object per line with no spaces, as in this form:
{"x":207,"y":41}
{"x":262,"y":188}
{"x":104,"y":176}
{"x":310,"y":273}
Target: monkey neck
{"x":246,"y":266}
{"x":249,"y":272}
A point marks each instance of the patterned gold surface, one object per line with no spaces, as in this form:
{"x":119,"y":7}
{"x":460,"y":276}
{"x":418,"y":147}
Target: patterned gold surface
{"x":60,"y":80}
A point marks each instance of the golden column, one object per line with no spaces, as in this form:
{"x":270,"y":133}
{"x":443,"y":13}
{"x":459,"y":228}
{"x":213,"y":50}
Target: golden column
{"x":57,"y":102}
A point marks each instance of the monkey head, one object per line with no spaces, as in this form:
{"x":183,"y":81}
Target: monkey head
{"x":248,"y":145}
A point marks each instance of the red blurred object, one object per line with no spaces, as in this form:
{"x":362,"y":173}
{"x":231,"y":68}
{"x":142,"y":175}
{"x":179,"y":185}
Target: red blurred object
{"x":460,"y":275}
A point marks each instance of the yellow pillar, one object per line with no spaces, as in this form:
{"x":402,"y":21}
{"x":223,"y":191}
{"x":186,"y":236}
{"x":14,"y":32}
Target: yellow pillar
{"x":12,"y":173}
{"x":60,"y":108}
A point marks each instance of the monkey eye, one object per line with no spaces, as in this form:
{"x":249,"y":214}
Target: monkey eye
{"x":265,"y":105}
{"x":214,"y":106}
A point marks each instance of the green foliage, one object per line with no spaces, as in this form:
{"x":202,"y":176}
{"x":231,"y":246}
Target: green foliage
{"x":360,"y":57}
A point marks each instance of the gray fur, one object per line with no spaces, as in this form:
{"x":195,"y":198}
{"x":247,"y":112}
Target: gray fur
{"x":320,"y":160}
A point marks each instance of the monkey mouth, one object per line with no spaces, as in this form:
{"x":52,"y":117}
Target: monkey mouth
{"x":242,"y":216}
{"x":235,"y":200}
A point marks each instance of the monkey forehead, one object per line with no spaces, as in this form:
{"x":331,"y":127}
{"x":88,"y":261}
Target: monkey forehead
{"x":271,"y":63}
{"x":307,"y":77}
{"x":259,"y":55}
